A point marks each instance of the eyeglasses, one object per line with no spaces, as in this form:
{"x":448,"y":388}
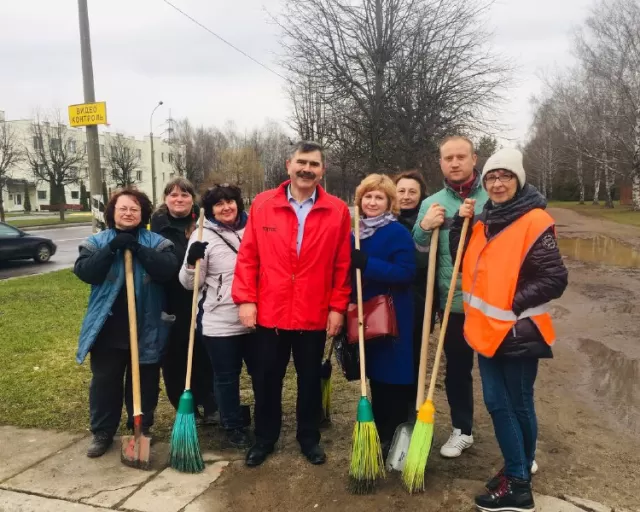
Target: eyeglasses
{"x":503,"y":178}
{"x":124,"y":209}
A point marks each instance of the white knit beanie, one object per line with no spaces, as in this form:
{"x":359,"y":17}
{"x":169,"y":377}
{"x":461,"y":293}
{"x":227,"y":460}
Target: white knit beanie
{"x":509,"y":159}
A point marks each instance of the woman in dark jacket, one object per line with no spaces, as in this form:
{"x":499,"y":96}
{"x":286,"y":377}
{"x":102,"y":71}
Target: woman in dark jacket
{"x":511,"y":269}
{"x":175,"y":220}
{"x":105,"y":328}
{"x":412,"y":190}
{"x":388,"y":264}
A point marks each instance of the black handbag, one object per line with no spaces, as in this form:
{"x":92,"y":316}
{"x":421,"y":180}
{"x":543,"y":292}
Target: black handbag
{"x":348,"y":356}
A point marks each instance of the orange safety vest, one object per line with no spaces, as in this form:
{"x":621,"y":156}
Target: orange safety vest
{"x":490,"y":271}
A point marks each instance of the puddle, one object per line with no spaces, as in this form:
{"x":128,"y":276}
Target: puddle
{"x":600,"y":249}
{"x":614,"y":379}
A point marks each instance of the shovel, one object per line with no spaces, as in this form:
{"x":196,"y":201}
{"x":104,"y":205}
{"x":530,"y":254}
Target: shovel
{"x":402,"y":436}
{"x":136,"y":449}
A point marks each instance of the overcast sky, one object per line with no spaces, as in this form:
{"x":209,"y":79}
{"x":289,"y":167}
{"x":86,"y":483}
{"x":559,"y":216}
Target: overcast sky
{"x":145,"y":51}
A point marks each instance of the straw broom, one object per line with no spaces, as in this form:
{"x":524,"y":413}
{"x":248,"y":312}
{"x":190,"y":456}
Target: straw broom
{"x":367,"y":466}
{"x":184,"y":449}
{"x":325,"y":383}
{"x":420,"y":446}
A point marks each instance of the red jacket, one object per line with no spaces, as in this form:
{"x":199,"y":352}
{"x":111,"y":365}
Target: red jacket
{"x":291,"y":292}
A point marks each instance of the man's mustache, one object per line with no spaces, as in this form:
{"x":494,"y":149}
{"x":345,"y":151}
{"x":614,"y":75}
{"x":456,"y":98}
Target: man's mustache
{"x":306,"y":174}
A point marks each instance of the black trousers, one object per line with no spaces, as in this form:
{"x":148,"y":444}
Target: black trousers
{"x":458,"y":380}
{"x":174,"y":369}
{"x":111,"y":382}
{"x":268,"y":357}
{"x":392,"y":405}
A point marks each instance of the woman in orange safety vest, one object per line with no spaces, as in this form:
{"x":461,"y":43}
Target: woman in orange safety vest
{"x":511,"y":269}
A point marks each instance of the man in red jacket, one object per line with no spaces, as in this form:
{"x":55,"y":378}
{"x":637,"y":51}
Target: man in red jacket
{"x":292,"y":282}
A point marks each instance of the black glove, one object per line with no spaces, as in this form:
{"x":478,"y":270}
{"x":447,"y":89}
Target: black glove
{"x":196,"y":252}
{"x":123,"y":241}
{"x":359,"y":259}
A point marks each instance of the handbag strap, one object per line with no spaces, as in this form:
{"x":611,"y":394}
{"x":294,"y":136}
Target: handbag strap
{"x":227,"y":241}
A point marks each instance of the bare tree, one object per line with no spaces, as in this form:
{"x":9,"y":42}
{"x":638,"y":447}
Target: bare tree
{"x":11,"y":154}
{"x":123,"y":158}
{"x":55,"y":157}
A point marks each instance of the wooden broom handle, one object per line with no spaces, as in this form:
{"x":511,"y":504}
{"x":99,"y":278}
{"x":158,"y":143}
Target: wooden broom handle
{"x":331,"y":346}
{"x":426,"y":326}
{"x":194,"y":306}
{"x":447,"y":309}
{"x":133,"y":333}
{"x":363,"y":376}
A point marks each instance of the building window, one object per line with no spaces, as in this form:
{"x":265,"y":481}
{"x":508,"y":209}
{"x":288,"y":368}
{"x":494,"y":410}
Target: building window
{"x":171,"y":175}
{"x":101,"y":149}
{"x":55,"y":144}
{"x":72,"y":146}
{"x":139,"y":153}
{"x":170,"y":158}
{"x":163,"y":178}
{"x":42,"y":194}
{"x":18,"y":200}
{"x":37,"y":143}
{"x":75,"y":194}
{"x":138,"y":175}
{"x":162,"y":156}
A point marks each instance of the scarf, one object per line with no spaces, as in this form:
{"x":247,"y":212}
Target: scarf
{"x":241,"y":222}
{"x":408,"y":217}
{"x":464,"y":189}
{"x":369,"y":225}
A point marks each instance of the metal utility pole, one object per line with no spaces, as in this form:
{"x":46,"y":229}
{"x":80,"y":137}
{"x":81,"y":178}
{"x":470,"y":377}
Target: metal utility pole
{"x":93,"y":144}
{"x":153,"y":155}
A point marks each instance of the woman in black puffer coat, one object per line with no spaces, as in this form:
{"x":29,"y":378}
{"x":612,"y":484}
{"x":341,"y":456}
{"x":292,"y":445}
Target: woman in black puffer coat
{"x":175,"y":220}
{"x":511,"y":269}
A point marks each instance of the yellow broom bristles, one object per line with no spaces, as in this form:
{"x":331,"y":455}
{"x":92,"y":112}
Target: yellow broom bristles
{"x":417,"y":456}
{"x":367,"y":466}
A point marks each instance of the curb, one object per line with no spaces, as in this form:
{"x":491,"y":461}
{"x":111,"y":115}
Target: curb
{"x":56,"y":226}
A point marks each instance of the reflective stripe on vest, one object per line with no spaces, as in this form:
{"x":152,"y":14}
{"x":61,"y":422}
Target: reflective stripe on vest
{"x":490,"y":272}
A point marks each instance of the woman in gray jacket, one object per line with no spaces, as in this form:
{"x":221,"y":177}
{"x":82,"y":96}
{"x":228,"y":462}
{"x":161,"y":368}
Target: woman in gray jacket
{"x":223,"y":335}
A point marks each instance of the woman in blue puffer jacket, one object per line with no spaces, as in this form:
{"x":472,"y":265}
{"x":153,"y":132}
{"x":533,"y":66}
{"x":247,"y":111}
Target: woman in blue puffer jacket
{"x":105,"y":329}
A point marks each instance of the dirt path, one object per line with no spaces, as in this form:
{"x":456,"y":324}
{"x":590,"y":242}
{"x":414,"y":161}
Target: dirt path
{"x":588,"y":404}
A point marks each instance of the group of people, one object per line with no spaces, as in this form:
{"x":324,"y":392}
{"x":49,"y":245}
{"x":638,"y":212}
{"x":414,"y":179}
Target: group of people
{"x":278,"y":281}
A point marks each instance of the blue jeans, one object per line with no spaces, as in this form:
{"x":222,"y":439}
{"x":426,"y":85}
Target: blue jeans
{"x":226,"y":354}
{"x":507,"y":386}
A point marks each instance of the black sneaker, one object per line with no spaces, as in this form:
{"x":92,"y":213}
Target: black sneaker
{"x":512,"y":495}
{"x":493,"y":484}
{"x":238,"y":438}
{"x":99,"y":444}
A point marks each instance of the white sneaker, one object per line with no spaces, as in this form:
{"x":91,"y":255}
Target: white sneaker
{"x":534,"y":468}
{"x":456,"y":444}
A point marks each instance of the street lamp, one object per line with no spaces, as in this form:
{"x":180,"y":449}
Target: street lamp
{"x":153,"y":158}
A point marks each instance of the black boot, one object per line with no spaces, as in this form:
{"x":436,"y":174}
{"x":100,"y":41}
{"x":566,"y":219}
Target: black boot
{"x":238,"y":438}
{"x":512,"y":494}
{"x":99,"y":444}
{"x":493,"y":484}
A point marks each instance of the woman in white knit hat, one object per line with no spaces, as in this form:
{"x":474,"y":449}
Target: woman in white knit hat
{"x":511,"y":269}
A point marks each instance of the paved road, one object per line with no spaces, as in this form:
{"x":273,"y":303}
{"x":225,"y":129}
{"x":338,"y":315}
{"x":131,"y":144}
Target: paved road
{"x":67,"y":240}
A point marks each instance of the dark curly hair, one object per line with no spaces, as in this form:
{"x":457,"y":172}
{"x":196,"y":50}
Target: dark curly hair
{"x":217,"y":193}
{"x":146,"y":208}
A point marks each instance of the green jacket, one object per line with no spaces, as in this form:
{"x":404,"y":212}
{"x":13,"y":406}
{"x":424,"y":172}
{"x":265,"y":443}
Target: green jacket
{"x":451,"y":201}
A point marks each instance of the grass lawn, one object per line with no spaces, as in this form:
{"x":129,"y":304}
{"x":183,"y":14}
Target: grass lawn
{"x":70,"y":218}
{"x":41,"y":385}
{"x":621,"y":214}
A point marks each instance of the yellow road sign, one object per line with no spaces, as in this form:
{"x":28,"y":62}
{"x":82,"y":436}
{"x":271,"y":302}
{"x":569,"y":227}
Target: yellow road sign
{"x":88,"y":114}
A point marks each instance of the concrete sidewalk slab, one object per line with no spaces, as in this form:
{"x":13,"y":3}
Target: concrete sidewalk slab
{"x":171,"y":491}
{"x":18,"y":502}
{"x":588,"y":505}
{"x":104,"y":481}
{"x":551,"y":504}
{"x":22,"y":448}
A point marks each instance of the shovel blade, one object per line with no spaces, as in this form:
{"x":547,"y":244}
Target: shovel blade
{"x":136,"y":451}
{"x":399,"y":447}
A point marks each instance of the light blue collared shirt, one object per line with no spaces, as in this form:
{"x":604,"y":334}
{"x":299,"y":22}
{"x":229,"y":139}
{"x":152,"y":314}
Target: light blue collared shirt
{"x":302,"y":210}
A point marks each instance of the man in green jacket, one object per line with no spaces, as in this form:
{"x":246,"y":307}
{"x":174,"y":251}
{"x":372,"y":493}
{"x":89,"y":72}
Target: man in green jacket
{"x":457,"y":161}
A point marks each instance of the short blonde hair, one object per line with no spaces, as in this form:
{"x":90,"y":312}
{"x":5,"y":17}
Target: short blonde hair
{"x":382,"y":183}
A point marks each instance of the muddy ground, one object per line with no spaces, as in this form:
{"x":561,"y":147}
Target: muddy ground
{"x":587,"y":398}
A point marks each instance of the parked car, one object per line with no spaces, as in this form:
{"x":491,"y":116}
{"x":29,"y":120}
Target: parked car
{"x":16,"y":244}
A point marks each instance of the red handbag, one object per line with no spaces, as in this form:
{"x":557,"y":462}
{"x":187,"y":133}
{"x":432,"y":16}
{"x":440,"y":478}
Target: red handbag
{"x":379,"y":318}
